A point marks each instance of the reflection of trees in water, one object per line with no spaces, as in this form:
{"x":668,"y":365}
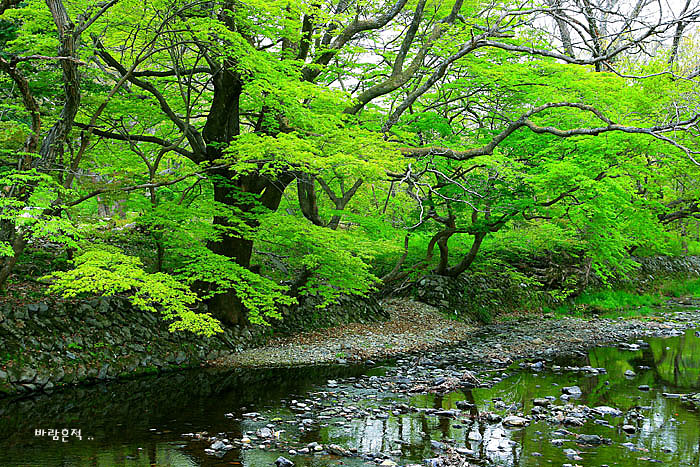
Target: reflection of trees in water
{"x":123,"y":411}
{"x":677,"y":360}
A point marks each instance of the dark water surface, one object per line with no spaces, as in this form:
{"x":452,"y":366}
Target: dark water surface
{"x":142,"y":422}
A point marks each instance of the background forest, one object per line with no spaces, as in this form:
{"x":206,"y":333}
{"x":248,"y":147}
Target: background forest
{"x":245,"y":155}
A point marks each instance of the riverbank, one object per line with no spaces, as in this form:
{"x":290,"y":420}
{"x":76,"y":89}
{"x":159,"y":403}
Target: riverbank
{"x":57,"y":343}
{"x":415,"y":327}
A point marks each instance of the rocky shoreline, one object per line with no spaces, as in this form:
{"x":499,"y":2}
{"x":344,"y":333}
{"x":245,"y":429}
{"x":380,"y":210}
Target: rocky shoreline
{"x":414,"y":327}
{"x":482,"y":360}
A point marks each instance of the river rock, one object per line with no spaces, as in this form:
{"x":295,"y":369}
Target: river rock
{"x":572,"y":454}
{"x":605,"y":410}
{"x":283,"y":462}
{"x":338,"y":450}
{"x":464,"y":405}
{"x":629,"y":429}
{"x":515,"y":421}
{"x":218,"y":445}
{"x":589,"y":439}
{"x":574,"y":391}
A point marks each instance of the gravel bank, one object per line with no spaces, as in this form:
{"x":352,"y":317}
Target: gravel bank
{"x":415,"y":327}
{"x":412,"y":326}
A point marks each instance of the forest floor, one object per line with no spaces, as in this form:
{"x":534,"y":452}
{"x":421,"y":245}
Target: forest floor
{"x":414,"y":327}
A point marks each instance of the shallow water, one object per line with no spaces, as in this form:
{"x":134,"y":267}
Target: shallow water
{"x":142,"y":422}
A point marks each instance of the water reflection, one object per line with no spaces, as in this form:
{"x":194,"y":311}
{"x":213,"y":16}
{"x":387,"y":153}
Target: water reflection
{"x":140,"y":423}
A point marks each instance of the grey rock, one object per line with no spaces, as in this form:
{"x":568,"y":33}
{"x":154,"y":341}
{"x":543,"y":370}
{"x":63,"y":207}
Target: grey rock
{"x":629,"y":429}
{"x":605,"y":410}
{"x":283,"y":462}
{"x":218,"y":445}
{"x":572,"y":391}
{"x":515,"y":421}
{"x":590,"y":439}
{"x":27,"y":375}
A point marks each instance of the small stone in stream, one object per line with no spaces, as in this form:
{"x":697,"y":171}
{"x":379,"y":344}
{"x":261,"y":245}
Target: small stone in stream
{"x":437,"y":445}
{"x":283,"y":462}
{"x":264,"y":432}
{"x":446,"y":413}
{"x":465,"y":451}
{"x":537,"y":341}
{"x":338,"y":450}
{"x":571,"y":390}
{"x":625,"y":346}
{"x":643,"y":387}
{"x":474,"y":436}
{"x":572,"y":454}
{"x":218,"y":445}
{"x":541,"y":402}
{"x":251,"y":415}
{"x":464,"y":405}
{"x":589,"y":439}
{"x":228,"y":415}
{"x":389,"y":462}
{"x":630,"y":373}
{"x":629,"y":429}
{"x":515,"y":421}
{"x":605,"y":410}
{"x":573,"y":421}
{"x":245,"y":440}
{"x":669,"y":395}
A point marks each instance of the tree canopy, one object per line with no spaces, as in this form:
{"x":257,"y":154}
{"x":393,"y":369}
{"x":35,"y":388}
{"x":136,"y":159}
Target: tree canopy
{"x":245,"y":155}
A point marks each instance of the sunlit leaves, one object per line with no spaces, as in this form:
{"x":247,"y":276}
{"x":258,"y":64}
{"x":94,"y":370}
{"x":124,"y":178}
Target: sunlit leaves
{"x":110,"y":273}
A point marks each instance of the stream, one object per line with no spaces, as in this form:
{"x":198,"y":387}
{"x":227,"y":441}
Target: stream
{"x":408,"y":411}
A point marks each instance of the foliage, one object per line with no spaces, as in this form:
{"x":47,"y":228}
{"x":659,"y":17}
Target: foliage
{"x":246,"y":154}
{"x":111,"y":273}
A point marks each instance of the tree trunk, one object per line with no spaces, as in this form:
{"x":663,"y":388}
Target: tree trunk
{"x":469,"y":258}
{"x":238,"y":193}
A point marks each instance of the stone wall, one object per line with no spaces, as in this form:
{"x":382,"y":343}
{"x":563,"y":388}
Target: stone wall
{"x":480,"y":296}
{"x":474,"y":298}
{"x":52,"y":344}
{"x":349,"y":309}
